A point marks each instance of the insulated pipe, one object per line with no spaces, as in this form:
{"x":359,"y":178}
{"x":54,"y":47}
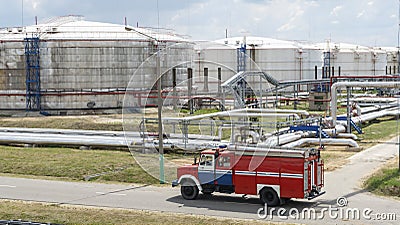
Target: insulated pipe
{"x":284,"y":139}
{"x":255,"y":137}
{"x":352,"y":136}
{"x":60,"y":139}
{"x":335,"y":86}
{"x":237,"y":113}
{"x":244,"y":114}
{"x":334,"y":131}
{"x":373,"y":99}
{"x":371,"y":109}
{"x":374,"y":115}
{"x":302,"y":112}
{"x":327,"y":141}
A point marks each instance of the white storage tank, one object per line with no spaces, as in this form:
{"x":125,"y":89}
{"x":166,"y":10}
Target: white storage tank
{"x":83,"y":65}
{"x":354,"y":60}
{"x":392,"y":60}
{"x":283,"y":60}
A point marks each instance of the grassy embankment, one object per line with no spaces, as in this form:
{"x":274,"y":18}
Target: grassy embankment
{"x":56,"y":214}
{"x":72,"y":164}
{"x":386,"y":181}
{"x":104,"y":122}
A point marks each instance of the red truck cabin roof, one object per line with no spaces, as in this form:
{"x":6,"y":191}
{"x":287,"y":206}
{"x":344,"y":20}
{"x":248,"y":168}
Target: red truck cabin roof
{"x":266,"y":152}
{"x":209,"y":151}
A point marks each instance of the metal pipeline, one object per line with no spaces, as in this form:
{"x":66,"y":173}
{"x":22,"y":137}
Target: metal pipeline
{"x":335,"y":86}
{"x":299,"y":112}
{"x":344,"y":135}
{"x":255,"y":137}
{"x":325,"y":141}
{"x":374,"y":115}
{"x":61,"y":139}
{"x":232,"y":113}
{"x":339,"y":130}
{"x":334,"y":131}
{"x":284,"y":139}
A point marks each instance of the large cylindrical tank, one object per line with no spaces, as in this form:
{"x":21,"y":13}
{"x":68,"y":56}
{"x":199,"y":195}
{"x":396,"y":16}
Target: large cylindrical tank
{"x":354,"y":60}
{"x":283,"y":60}
{"x":83,"y":65}
{"x":392,"y":60}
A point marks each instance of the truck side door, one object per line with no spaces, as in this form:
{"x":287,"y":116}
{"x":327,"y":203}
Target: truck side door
{"x":223,"y":171}
{"x":206,"y":169}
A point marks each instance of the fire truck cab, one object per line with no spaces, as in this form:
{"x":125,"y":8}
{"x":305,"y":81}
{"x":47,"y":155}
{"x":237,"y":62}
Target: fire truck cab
{"x":273,"y":174}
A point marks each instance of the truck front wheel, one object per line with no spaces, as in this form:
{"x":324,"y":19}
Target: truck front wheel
{"x":189,"y":192}
{"x":269,"y":196}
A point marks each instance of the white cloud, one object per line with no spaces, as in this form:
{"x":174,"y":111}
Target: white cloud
{"x":335,"y":11}
{"x":208,"y":19}
{"x":291,"y":23}
{"x":360,"y":14}
{"x":312,"y":3}
{"x":176,"y":17}
{"x":33,"y":3}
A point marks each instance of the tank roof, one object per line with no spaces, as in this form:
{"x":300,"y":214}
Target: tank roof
{"x":259,"y":42}
{"x":76,"y":28}
{"x":343,"y":47}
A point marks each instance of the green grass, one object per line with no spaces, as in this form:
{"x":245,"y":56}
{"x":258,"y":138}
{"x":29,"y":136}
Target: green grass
{"x":47,"y":213}
{"x":72,"y":164}
{"x":65,"y":122}
{"x":205,"y":111}
{"x":386,"y":181}
{"x":381,"y":129}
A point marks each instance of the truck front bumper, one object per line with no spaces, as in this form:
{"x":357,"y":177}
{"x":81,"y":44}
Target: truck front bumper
{"x":174,"y":183}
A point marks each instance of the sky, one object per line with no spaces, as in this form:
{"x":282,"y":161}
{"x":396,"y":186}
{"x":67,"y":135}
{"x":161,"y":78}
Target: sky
{"x":364,"y":22}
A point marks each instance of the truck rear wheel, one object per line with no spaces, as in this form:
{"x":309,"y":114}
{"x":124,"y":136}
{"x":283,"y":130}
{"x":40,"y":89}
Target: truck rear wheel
{"x":189,"y":192}
{"x":269,"y":196}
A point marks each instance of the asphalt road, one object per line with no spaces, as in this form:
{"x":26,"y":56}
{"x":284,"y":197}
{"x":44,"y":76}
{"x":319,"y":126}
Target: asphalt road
{"x":343,"y":182}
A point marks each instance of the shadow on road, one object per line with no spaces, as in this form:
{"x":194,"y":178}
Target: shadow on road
{"x":333,"y":202}
{"x":251,"y":205}
{"x":235,"y":203}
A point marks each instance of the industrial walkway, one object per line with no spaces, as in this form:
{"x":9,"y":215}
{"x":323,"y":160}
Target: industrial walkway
{"x":343,"y":182}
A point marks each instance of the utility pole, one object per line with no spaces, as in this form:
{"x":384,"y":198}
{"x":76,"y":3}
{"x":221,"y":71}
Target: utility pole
{"x":160,"y":103}
{"x":398,"y":73}
{"x":160,"y":125}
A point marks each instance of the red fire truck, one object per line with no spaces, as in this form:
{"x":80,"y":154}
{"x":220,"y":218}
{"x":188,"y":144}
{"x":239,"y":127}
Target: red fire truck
{"x":274,"y":174}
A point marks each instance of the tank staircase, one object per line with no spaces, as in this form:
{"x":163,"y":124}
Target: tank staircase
{"x":32,"y":57}
{"x":241,"y":58}
{"x":313,"y":128}
{"x":238,"y":86}
{"x":352,"y":123}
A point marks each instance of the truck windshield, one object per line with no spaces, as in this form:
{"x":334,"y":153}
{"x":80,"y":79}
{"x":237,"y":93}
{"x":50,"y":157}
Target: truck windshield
{"x":206,"y":160}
